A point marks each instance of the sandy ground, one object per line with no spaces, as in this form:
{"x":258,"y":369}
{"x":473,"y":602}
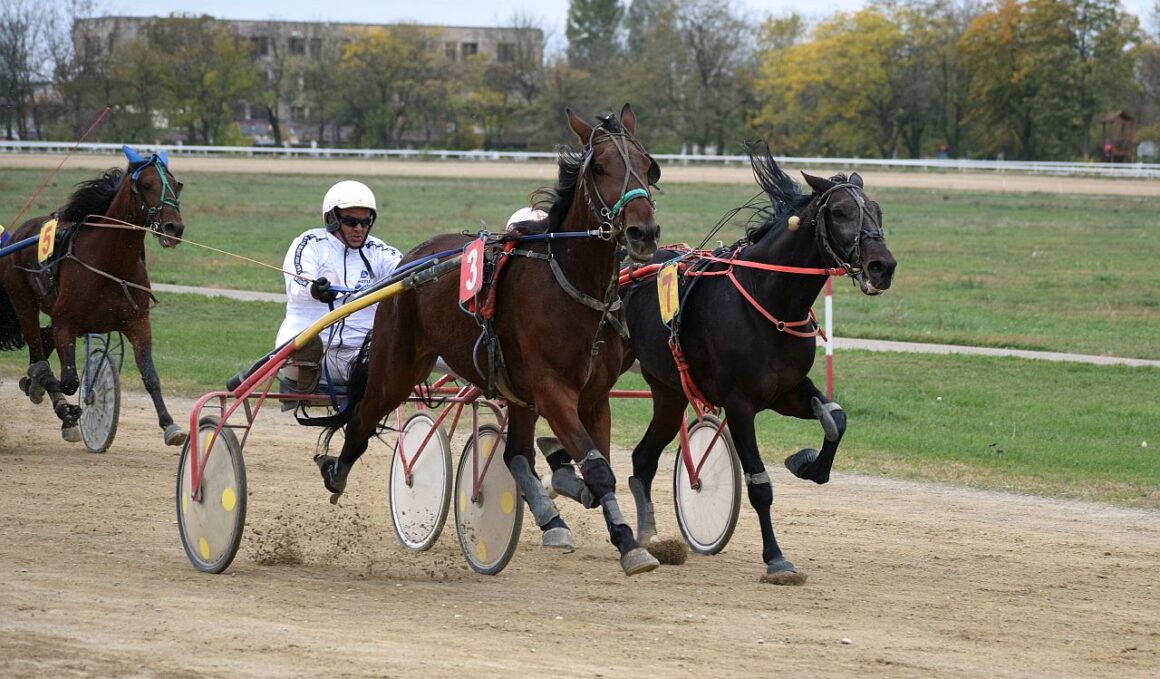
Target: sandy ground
{"x":672,"y":172}
{"x":904,"y":579}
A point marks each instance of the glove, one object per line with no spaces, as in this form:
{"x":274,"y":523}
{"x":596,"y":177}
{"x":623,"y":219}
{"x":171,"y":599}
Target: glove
{"x":320,"y":290}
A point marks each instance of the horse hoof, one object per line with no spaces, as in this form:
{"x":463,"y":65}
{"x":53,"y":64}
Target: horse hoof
{"x":175,"y":435}
{"x":781,"y":572}
{"x":669,"y":551}
{"x":331,"y":478}
{"x":801,"y":464}
{"x":32,"y":390}
{"x":559,"y":538}
{"x":637,"y":561}
{"x":71,"y":434}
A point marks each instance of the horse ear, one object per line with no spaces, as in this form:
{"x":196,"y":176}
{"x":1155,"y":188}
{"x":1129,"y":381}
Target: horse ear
{"x":818,"y":184}
{"x":856,"y":180}
{"x":132,"y":155}
{"x":582,"y":129}
{"x":628,"y":119}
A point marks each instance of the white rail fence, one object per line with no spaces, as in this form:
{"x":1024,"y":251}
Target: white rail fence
{"x":1112,"y":170}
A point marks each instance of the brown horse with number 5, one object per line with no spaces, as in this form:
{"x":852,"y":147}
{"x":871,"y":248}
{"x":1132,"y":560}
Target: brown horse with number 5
{"x":94,"y":282}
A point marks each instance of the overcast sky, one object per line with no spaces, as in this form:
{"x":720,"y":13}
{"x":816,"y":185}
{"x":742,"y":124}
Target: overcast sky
{"x":550,"y":13}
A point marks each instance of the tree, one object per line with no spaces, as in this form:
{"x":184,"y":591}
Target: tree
{"x":26,"y":29}
{"x":1045,"y":69}
{"x":392,"y":80}
{"x":1090,"y":41}
{"x":194,"y":70}
{"x":838,"y":93}
{"x":591,"y":30}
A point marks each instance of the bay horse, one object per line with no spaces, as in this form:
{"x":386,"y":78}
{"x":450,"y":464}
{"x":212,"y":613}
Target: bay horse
{"x":94,"y":282}
{"x":745,"y":332}
{"x":555,"y":299}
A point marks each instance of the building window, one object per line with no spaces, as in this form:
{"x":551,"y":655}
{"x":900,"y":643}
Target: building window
{"x":451,"y":50}
{"x":316,"y":47}
{"x":470,"y":49}
{"x":505,"y":52}
{"x":261,"y":45}
{"x":297,"y":114}
{"x":297,"y":45}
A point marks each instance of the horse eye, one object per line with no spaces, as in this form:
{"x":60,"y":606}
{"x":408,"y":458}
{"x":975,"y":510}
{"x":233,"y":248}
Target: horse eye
{"x":597,"y":169}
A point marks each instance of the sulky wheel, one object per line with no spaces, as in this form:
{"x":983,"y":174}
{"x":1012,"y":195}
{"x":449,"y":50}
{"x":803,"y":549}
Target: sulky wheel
{"x":100,"y":400}
{"x":488,"y":525}
{"x":211,"y":527}
{"x":707,"y":514}
{"x":419,"y":504}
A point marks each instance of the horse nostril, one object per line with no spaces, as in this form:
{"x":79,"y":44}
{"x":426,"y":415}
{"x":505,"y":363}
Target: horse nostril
{"x":882,"y":270}
{"x":634,"y":233}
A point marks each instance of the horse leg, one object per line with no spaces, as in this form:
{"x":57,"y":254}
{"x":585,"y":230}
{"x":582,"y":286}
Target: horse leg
{"x":807,"y":402}
{"x":41,"y":378}
{"x":40,"y":375}
{"x":371,"y":400}
{"x":778,"y":569}
{"x":140,"y":337}
{"x":37,"y":339}
{"x":519,"y":455}
{"x":668,"y":408}
{"x":559,"y":406}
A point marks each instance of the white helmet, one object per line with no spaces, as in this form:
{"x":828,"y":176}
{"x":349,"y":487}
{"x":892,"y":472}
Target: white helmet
{"x":348,"y":194}
{"x":525,"y":214}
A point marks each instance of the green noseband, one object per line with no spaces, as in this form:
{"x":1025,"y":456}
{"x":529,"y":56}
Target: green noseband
{"x":635,"y":193}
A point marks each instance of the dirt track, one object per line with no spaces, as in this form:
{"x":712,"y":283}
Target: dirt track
{"x":905,"y":579}
{"x":545,"y":172}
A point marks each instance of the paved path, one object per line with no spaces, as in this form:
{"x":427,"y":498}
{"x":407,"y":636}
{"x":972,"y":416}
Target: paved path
{"x":839,"y":342}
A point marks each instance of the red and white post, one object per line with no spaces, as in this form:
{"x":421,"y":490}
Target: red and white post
{"x":829,"y":343}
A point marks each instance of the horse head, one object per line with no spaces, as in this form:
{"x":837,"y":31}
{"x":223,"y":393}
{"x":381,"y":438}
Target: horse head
{"x":615,"y":175}
{"x":156,"y":193}
{"x":849,"y":231}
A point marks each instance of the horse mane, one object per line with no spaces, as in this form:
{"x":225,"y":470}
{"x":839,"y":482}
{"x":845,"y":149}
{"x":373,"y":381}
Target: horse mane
{"x":92,"y":197}
{"x":786,"y":197}
{"x":557,"y":200}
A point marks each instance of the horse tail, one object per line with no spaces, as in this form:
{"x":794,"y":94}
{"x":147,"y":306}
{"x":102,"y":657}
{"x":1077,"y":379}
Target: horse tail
{"x":356,"y":389}
{"x":11,"y":337}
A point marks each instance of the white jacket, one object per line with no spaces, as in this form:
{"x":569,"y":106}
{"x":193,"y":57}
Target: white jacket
{"x":318,"y":253}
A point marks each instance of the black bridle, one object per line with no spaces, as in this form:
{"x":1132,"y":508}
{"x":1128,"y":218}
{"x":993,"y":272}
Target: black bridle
{"x":167,"y":197}
{"x":609,"y":226}
{"x":868,"y":228}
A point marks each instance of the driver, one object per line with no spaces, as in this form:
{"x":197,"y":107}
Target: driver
{"x":342,"y":253}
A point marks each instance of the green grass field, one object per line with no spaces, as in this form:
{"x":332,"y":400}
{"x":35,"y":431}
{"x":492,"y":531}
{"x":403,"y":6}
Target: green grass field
{"x":1034,"y":271}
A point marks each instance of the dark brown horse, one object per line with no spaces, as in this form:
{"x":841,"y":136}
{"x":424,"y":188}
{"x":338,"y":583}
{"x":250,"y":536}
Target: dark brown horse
{"x":555,"y":299}
{"x":748,"y":338}
{"x":95,"y":281}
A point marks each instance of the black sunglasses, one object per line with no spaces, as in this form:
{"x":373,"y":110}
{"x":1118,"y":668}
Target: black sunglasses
{"x":352,"y":222}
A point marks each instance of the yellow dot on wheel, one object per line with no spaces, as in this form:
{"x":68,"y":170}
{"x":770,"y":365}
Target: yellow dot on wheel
{"x":203,"y":548}
{"x":463,"y":501}
{"x":507,"y":502}
{"x":185,"y":503}
{"x":229,"y":499}
{"x":481,"y":551}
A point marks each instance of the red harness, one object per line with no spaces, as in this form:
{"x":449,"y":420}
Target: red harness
{"x":629,"y":275}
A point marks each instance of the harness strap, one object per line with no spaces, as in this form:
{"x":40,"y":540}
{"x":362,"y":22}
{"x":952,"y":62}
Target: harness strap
{"x":782,"y":326}
{"x":125,"y":285}
{"x":700,"y":404}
